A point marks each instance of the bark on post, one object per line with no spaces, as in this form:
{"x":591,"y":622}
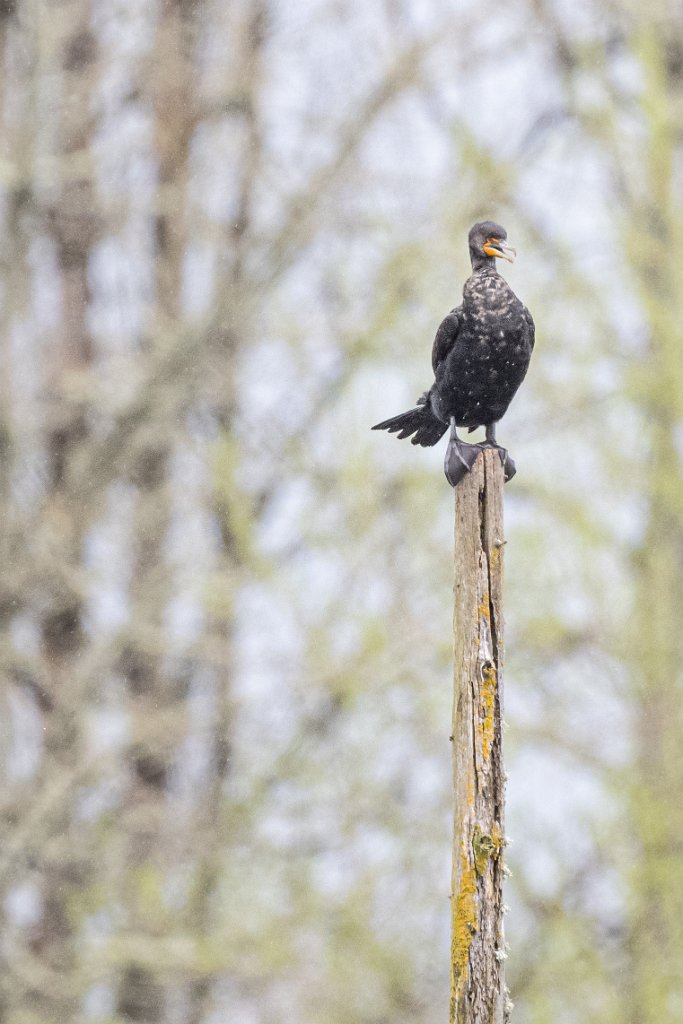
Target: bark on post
{"x":478,"y":993}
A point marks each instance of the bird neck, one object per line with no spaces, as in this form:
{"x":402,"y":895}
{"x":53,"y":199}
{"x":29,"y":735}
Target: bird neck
{"x":483,"y":264}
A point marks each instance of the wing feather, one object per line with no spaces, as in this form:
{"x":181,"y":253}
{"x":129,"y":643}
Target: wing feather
{"x":532,"y":328}
{"x":445,"y":337}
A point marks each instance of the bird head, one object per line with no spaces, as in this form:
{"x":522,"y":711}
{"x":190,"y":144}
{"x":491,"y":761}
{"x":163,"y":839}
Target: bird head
{"x":488,"y":240}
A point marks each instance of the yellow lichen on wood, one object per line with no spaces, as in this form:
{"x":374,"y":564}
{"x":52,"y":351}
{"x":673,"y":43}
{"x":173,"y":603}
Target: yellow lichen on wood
{"x":464,"y":917}
{"x":488,"y":705}
{"x":497,"y":838}
{"x":482,"y":845}
{"x":486,"y":846}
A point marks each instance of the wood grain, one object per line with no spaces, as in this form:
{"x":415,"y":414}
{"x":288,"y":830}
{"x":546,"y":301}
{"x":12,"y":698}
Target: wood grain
{"x":478,"y":994}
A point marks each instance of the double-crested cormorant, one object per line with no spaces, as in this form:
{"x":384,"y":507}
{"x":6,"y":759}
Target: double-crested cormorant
{"x":480,"y":357}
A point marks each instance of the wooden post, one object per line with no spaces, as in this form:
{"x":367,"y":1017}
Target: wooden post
{"x":478,"y":993}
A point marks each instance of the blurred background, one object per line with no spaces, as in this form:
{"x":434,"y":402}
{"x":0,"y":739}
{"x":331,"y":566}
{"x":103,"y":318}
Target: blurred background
{"x":229,"y":231}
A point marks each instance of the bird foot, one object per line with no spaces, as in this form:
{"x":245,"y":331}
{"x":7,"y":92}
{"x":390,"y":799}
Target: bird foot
{"x":459,"y":459}
{"x":509,"y":468}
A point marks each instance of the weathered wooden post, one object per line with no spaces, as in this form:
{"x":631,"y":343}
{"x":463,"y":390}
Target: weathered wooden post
{"x":478,"y":993}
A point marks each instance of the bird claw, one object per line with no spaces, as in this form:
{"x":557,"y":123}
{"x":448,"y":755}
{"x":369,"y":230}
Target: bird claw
{"x":509,"y":468}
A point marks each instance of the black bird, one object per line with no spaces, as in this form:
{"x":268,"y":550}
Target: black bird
{"x":480,"y":357}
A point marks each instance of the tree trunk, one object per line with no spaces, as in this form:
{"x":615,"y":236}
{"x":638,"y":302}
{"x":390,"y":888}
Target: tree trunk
{"x":478,"y":994}
{"x":69,"y":213}
{"x":157,"y":687}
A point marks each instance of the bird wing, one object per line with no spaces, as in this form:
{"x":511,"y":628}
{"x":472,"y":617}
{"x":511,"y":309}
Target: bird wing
{"x":445,"y":337}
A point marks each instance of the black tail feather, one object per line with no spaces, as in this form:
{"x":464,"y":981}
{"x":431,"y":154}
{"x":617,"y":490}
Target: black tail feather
{"x":421,"y":422}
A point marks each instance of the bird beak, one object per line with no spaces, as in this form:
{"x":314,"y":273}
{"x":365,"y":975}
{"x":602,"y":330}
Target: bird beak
{"x":495,"y":247}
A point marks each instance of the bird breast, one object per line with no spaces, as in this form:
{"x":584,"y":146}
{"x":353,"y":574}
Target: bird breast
{"x":489,"y":360}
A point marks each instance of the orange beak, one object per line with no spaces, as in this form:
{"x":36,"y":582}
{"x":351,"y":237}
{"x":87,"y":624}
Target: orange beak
{"x":496,"y":247}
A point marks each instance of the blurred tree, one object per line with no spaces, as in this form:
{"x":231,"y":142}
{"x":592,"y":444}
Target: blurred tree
{"x":47,"y":597}
{"x":224,"y":612}
{"x":157,"y":690}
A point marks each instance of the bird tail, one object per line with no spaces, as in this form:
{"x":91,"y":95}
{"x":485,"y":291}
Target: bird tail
{"x":420,"y":421}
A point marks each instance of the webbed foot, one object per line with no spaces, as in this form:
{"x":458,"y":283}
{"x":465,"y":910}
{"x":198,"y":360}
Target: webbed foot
{"x":459,"y":459}
{"x":509,"y":468}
